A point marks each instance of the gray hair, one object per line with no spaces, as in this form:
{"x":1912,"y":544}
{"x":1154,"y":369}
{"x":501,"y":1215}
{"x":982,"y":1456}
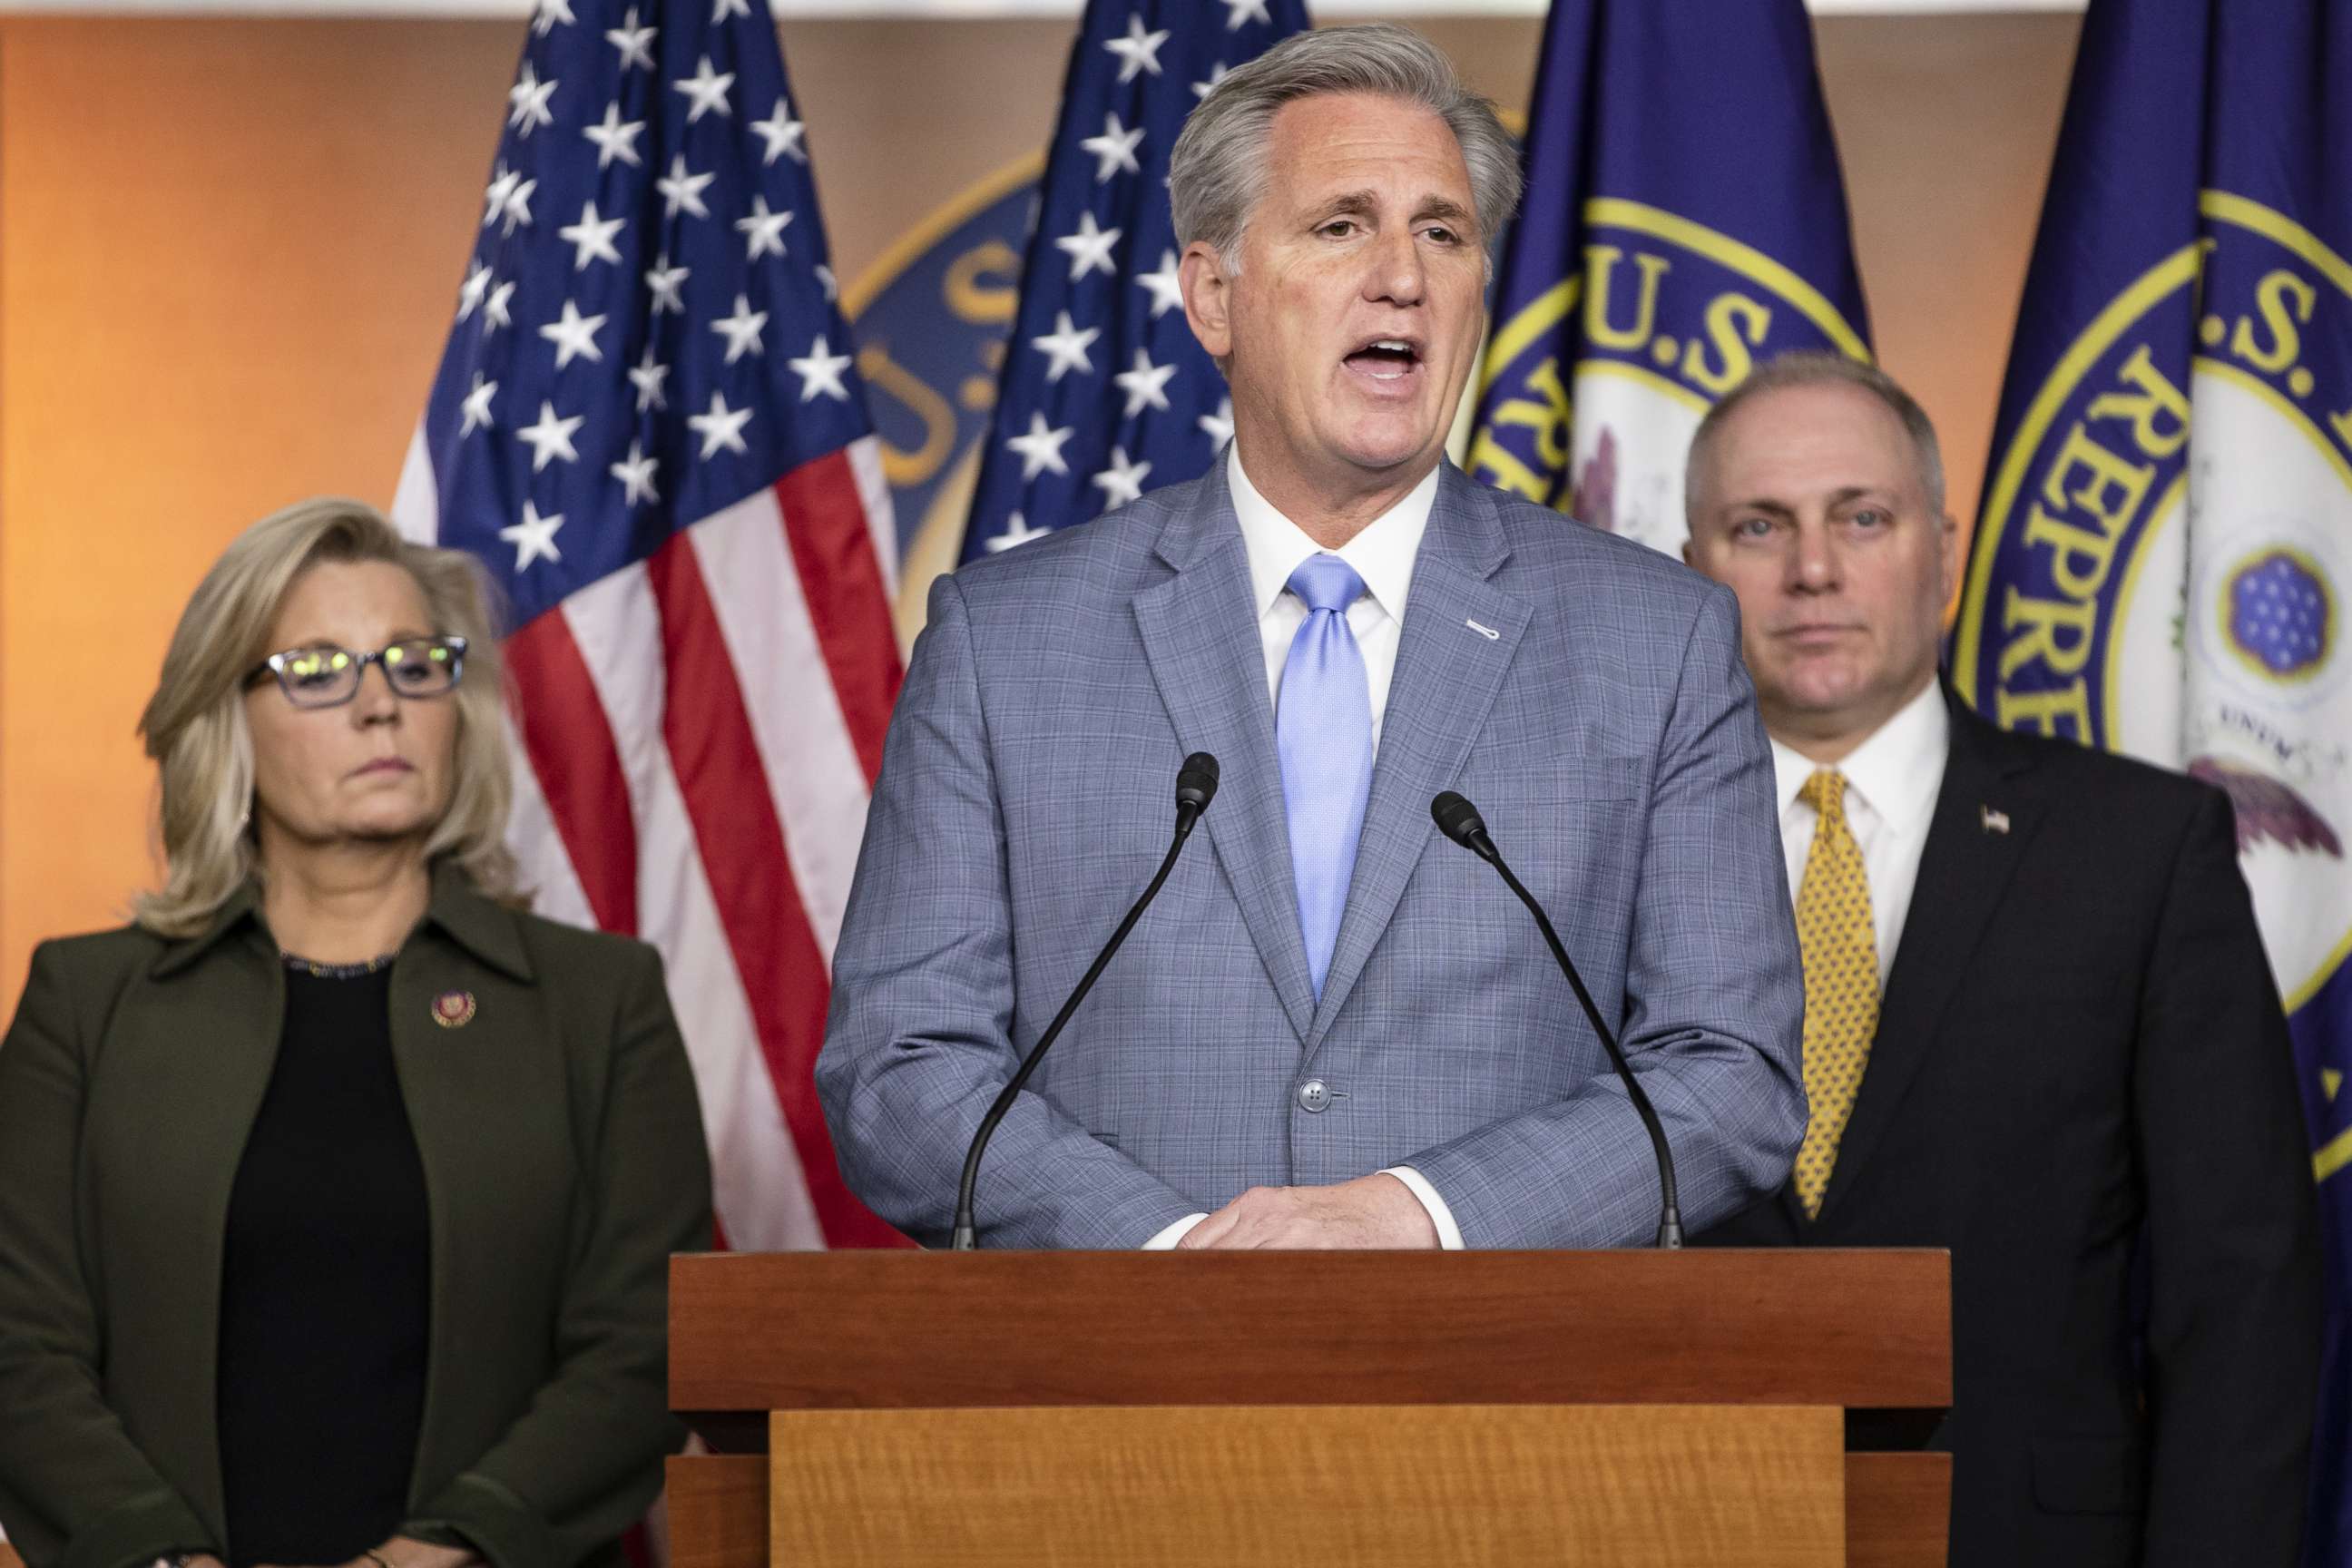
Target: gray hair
{"x":195,"y":730}
{"x":1217,"y":172}
{"x":1815,"y":367}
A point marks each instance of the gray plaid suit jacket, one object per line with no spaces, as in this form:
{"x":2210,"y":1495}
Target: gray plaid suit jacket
{"x":1601,"y":721}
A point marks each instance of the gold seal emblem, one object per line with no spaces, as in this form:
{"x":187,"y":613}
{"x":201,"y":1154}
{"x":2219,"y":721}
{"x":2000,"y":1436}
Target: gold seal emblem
{"x":454,"y":1009}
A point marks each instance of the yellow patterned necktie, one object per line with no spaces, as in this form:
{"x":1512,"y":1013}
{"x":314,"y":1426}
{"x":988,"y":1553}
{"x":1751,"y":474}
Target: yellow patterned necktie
{"x":1840,"y":953}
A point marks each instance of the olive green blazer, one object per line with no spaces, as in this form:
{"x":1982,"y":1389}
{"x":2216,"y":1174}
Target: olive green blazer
{"x":564,"y":1163}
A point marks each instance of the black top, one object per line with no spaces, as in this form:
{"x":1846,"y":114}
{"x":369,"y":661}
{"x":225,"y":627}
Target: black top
{"x":325,"y":1287}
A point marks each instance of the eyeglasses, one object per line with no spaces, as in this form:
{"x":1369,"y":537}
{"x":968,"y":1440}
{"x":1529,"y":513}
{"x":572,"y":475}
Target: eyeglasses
{"x":328,"y":677}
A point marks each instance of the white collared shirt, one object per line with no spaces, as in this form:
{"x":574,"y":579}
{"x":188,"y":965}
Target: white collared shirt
{"x":1892,"y":781}
{"x":1382,"y":554}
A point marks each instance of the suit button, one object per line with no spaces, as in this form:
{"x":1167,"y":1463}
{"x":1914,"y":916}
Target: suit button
{"x":1314,"y":1095}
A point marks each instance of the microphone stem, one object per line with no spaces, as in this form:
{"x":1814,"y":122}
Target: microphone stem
{"x":1670,"y":1216}
{"x":965,"y":1238}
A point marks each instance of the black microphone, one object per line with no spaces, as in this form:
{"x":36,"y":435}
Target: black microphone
{"x":1460,"y":821}
{"x":1196,"y":786}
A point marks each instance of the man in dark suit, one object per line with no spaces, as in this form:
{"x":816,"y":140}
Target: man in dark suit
{"x":2040,"y":1029}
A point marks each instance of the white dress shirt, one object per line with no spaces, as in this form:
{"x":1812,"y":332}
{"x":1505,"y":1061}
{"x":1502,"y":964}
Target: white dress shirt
{"x":1382,"y":554}
{"x":1892,"y":781}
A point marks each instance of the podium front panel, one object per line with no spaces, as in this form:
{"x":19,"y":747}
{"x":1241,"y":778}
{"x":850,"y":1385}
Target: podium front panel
{"x":1277,"y":1485}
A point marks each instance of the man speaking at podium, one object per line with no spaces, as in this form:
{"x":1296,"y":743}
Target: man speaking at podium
{"x":1333,"y":1028}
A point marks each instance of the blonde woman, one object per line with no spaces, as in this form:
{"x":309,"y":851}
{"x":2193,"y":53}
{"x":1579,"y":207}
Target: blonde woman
{"x":335,"y":1192}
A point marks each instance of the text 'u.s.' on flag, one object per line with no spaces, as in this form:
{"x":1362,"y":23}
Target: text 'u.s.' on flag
{"x":1685,"y":221}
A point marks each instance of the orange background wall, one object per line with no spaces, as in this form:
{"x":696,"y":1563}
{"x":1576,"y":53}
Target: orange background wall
{"x":229,"y":249}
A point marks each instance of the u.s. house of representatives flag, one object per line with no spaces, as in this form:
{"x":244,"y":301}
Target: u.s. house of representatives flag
{"x":1105,"y":392}
{"x":648,"y":426}
{"x":1684,"y":220}
{"x":2165,"y":547}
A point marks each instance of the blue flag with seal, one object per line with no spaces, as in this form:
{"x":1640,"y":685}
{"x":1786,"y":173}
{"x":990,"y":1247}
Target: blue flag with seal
{"x":1105,"y":392}
{"x":2165,"y":543}
{"x":1684,"y":220}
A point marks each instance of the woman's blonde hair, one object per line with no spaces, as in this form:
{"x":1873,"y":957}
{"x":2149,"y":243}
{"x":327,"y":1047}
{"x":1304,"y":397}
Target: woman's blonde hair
{"x":194,"y":724}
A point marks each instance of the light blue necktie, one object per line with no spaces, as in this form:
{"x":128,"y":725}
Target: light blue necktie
{"x":1323,"y":729}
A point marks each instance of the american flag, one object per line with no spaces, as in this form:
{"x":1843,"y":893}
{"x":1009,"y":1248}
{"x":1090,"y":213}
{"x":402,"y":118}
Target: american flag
{"x":1105,"y":392}
{"x":648,"y":425}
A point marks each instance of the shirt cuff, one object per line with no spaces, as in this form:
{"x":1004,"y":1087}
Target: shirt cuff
{"x":1449,"y":1235}
{"x":1166,"y":1239}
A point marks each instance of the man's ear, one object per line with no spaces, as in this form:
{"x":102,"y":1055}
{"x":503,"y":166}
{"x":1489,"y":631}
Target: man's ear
{"x":1208,"y":298}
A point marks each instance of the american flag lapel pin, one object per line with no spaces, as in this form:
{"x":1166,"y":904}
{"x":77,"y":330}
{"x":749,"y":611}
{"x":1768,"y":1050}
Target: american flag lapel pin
{"x":1994,"y":821}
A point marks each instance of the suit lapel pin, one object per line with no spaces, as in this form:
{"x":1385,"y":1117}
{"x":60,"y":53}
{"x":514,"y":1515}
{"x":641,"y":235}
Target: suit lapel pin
{"x":454,"y":1009}
{"x":1994,"y":821}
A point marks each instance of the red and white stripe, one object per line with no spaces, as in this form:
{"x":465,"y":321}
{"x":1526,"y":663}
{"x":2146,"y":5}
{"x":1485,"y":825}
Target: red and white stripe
{"x":695,"y":739}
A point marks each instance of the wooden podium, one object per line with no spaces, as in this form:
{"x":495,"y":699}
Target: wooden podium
{"x":1623,"y":1408}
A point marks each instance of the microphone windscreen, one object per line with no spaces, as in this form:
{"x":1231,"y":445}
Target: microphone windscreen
{"x":1457,"y":818}
{"x":1196,"y":781}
